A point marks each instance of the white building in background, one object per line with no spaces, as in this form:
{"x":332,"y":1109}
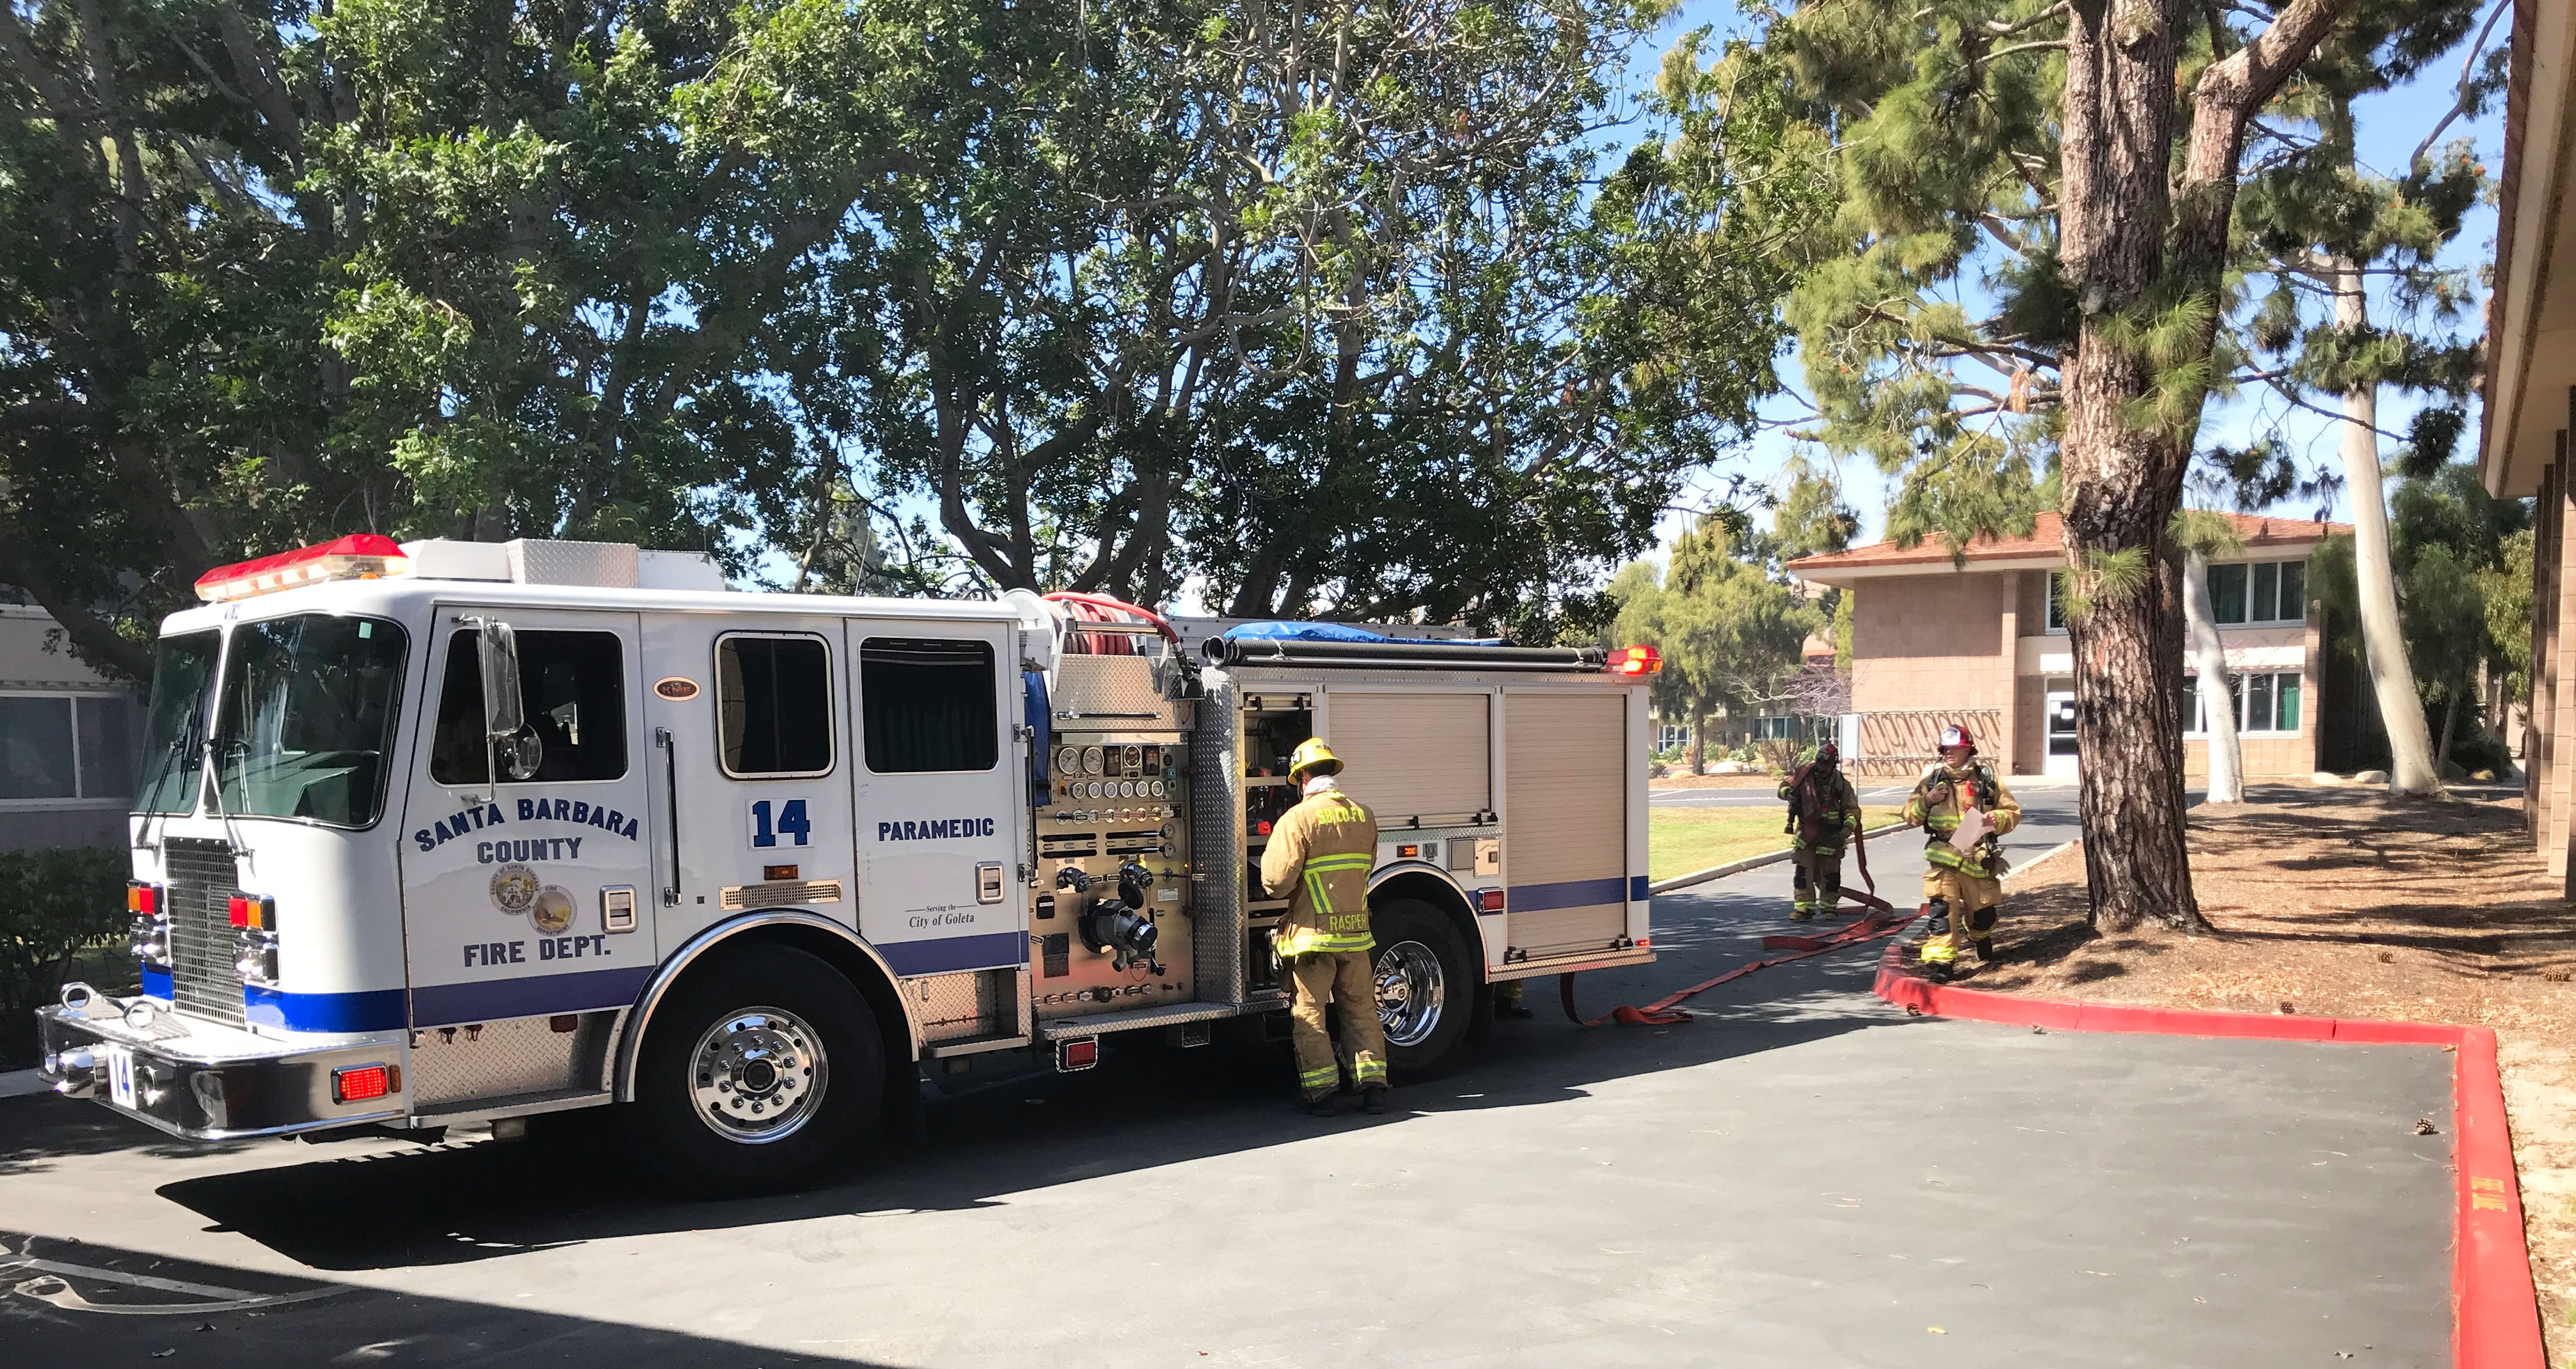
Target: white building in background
{"x":67,"y":739}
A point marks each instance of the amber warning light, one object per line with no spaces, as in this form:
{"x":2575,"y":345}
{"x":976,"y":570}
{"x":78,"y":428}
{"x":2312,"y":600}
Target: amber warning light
{"x":362,"y":556}
{"x":1636,"y":660}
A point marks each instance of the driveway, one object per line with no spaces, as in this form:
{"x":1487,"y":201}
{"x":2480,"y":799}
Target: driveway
{"x":1803,"y":1177}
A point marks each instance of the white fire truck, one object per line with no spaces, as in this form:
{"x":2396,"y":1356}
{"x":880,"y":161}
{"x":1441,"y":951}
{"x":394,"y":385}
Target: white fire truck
{"x":449,"y":832}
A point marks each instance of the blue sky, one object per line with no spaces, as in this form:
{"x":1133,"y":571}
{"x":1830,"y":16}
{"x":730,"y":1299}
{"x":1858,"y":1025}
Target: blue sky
{"x":2389,"y":127}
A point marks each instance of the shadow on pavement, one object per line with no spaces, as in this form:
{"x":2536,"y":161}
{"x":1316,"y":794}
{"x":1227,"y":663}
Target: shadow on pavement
{"x":73,"y":1302}
{"x":1001,"y":1131}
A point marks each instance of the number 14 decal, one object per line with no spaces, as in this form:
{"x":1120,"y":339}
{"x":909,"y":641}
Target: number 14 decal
{"x":790,"y":822}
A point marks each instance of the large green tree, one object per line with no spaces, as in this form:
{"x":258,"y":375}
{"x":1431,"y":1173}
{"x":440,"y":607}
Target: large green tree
{"x":2039,"y":206}
{"x":1332,"y":308}
{"x":1726,"y":622}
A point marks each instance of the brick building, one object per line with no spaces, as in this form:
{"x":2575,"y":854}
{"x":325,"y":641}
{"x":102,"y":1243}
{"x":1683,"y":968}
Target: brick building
{"x":1984,"y":641}
{"x":2529,"y":391}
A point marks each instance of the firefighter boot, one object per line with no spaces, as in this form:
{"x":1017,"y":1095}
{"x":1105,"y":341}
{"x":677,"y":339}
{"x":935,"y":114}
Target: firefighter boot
{"x":1374,"y":1101}
{"x":1981,"y":925}
{"x":1507,"y":1002}
{"x":1802,"y":895}
{"x":1941,"y":947}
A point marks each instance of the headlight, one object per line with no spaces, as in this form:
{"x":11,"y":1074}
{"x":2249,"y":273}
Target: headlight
{"x":148,"y":939}
{"x":255,"y":957}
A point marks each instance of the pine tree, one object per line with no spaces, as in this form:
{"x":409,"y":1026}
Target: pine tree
{"x":2074,"y":167}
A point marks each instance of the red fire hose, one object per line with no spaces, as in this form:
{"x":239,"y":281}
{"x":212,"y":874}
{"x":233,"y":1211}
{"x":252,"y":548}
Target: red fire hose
{"x":1664,"y":1012}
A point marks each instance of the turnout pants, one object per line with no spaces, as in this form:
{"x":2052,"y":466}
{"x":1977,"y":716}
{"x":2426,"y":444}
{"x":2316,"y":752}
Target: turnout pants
{"x":1818,"y":887}
{"x":1347,"y":980}
{"x":1971,"y":912}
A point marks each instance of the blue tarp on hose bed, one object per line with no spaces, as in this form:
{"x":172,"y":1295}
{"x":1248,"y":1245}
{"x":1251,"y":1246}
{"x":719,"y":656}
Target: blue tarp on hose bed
{"x":1341,"y":632}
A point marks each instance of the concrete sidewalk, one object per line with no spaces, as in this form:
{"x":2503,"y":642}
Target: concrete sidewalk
{"x":1804,"y":1177}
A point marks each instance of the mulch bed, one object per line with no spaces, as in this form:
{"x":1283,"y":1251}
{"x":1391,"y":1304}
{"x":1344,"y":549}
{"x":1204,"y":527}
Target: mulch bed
{"x":2348,"y":903}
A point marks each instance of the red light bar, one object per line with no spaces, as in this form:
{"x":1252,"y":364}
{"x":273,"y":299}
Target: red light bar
{"x":1636,"y":660}
{"x":358,"y":1083}
{"x":362,"y":556}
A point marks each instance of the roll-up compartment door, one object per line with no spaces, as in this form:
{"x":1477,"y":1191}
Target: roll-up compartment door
{"x":1414,"y":756}
{"x":1565,"y":821}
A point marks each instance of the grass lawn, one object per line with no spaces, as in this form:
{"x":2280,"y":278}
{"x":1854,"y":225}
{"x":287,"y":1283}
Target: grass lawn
{"x":1680,"y":840}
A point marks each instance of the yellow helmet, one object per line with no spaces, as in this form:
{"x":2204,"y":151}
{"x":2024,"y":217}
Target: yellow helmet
{"x":1312,"y":754}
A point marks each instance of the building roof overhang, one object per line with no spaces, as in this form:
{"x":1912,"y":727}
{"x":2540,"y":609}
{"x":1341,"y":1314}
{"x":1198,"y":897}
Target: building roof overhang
{"x":2531,"y":316}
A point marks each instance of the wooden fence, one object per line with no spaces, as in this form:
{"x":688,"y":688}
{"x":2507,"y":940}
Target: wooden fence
{"x":1900,"y":743}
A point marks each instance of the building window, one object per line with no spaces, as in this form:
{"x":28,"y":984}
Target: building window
{"x":572,"y":692}
{"x":60,"y":747}
{"x":928,"y":704}
{"x":773,"y":705}
{"x":2267,"y":703}
{"x":1774,"y":729}
{"x":2259,"y":592}
{"x":2057,"y":601}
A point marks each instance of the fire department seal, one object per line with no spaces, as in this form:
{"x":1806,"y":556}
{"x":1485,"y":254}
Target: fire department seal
{"x":551,"y":913}
{"x":514,"y":887}
{"x":676,"y":688}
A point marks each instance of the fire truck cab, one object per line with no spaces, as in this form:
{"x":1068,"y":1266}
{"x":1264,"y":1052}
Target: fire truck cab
{"x":449,"y":832}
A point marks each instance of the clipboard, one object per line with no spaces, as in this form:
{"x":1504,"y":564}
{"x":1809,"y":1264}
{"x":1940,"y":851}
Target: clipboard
{"x":1973,"y":827}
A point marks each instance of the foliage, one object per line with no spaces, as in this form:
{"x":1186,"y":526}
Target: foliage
{"x":55,"y":903}
{"x":1729,"y":628}
{"x":2463,"y":566}
{"x":1331,"y":308}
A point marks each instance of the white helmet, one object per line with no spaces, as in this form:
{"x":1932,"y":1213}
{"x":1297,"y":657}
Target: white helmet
{"x":1957,"y":735}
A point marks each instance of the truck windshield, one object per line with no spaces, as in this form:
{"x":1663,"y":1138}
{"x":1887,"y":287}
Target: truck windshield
{"x":308,"y":709}
{"x":174,"y":753}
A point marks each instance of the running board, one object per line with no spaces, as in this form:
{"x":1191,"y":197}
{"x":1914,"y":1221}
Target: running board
{"x":1101,"y":1024}
{"x":1532,"y":969}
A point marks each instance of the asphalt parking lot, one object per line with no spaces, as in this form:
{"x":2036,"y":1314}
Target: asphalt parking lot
{"x":1803,"y":1177}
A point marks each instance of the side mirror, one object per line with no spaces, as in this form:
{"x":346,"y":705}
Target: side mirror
{"x":515,"y":749}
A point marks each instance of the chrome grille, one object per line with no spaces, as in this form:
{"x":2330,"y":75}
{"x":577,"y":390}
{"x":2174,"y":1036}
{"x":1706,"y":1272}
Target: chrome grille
{"x":202,"y":880}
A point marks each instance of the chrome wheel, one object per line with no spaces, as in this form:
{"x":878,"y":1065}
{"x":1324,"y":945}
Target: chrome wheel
{"x":1410,"y":992}
{"x":757,"y":1075}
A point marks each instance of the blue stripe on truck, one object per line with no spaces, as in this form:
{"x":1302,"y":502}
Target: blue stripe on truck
{"x":1574,"y":893}
{"x":940,"y":955}
{"x":368,"y":1010}
{"x":439,"y":1005}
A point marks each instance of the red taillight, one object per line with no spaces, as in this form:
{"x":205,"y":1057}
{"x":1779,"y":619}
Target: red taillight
{"x":143,"y":899}
{"x":252,"y":912}
{"x":1489,"y":900}
{"x":358,"y":1083}
{"x":1636,"y":660}
{"x":1079,"y":1054}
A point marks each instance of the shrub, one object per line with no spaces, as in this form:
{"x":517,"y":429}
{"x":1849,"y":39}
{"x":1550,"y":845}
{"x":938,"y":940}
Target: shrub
{"x":55,"y":904}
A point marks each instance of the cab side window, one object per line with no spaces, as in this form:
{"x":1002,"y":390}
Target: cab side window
{"x":773,"y":705}
{"x":928,"y":704}
{"x":572,"y":690}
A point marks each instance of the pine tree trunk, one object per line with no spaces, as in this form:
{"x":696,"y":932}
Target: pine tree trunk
{"x":2401,"y":709}
{"x":2122,"y":479}
{"x":1699,"y":743}
{"x":2217,"y":706}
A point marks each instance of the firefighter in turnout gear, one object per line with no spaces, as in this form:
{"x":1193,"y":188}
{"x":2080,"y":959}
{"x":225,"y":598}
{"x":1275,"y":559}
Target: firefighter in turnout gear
{"x":1319,"y":857}
{"x":1961,"y":888}
{"x":1823,"y":812}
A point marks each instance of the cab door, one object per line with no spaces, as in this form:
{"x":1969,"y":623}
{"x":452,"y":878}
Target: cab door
{"x":750,"y":732}
{"x":935,"y":793}
{"x":520,"y":898}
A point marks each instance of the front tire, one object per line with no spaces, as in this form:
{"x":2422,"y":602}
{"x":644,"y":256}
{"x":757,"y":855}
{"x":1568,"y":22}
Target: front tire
{"x":1426,"y":987}
{"x":762,"y":1074}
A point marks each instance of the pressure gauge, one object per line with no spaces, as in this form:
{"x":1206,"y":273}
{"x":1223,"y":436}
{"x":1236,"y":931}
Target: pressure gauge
{"x":1156,"y":788}
{"x":1091,"y":760}
{"x":1069,"y":760}
{"x":1096,"y":789}
{"x":1135,"y":760}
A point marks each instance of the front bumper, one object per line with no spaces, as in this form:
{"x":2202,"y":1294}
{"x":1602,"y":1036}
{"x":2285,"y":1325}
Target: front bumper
{"x":209,"y":1082}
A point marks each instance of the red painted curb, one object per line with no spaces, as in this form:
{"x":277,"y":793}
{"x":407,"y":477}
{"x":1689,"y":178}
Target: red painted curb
{"x":2495,"y":1312}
